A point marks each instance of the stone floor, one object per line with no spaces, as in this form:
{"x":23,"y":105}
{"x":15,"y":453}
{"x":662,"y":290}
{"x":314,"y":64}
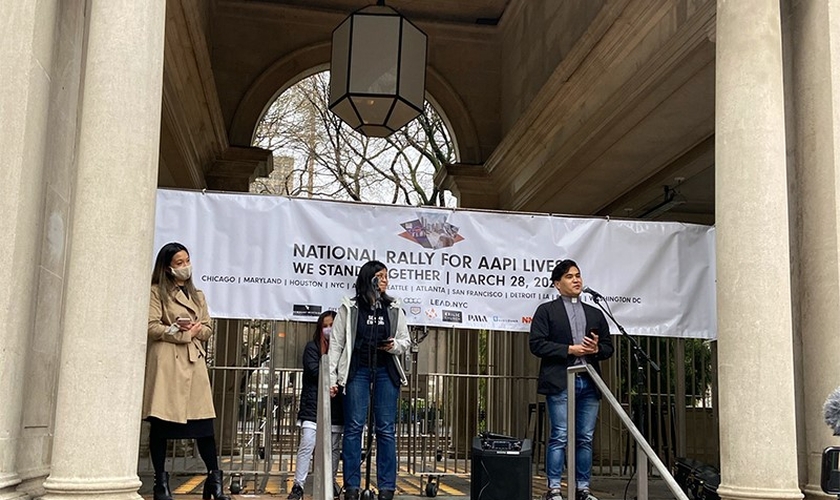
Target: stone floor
{"x":452,"y":487}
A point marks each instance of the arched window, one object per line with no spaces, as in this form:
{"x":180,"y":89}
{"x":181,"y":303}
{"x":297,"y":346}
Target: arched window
{"x":316,"y":155}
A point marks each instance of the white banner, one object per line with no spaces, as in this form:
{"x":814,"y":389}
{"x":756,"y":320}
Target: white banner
{"x":270,"y":257}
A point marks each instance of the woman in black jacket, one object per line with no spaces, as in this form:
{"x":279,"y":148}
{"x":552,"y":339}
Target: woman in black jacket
{"x":308,"y":414}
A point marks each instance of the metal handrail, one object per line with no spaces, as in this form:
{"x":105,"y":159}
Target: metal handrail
{"x":644,"y":452}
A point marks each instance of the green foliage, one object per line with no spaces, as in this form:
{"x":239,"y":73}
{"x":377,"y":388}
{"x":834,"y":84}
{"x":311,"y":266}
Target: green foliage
{"x":698,"y":368}
{"x":662,"y":350}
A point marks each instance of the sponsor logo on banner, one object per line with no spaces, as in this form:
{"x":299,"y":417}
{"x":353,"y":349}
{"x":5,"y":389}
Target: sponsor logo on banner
{"x":415,"y":310}
{"x":499,"y":319}
{"x":449,"y":303}
{"x":431,"y":313}
{"x":431,"y":230}
{"x":306,"y":310}
{"x":412,"y":300}
{"x":526,"y":320}
{"x":452,"y":316}
{"x":477,"y":318}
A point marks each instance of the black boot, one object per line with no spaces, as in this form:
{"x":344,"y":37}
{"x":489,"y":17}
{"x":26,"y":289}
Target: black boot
{"x":161,"y":489}
{"x":351,"y":494}
{"x":296,"y":493}
{"x":386,"y":495}
{"x":213,"y":486}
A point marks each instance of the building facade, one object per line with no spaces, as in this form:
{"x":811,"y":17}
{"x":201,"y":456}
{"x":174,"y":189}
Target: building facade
{"x":582,"y":107}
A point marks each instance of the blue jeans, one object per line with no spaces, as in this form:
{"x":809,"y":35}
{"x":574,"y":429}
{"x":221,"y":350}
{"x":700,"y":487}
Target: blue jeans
{"x":356,"y":400}
{"x":587,"y":402}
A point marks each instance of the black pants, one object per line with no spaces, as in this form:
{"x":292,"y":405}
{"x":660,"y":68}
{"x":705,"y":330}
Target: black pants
{"x":206,"y":448}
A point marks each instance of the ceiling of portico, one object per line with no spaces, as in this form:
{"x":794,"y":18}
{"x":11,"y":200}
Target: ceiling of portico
{"x":610,"y":148}
{"x":447,"y":11}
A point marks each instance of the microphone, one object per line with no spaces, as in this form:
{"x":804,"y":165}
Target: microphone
{"x":832,"y":411}
{"x":376,"y":293}
{"x":592,"y":292}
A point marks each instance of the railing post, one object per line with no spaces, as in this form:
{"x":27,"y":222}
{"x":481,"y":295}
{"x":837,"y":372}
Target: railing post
{"x":571,"y":373}
{"x":642,"y":473}
{"x":323,"y":480}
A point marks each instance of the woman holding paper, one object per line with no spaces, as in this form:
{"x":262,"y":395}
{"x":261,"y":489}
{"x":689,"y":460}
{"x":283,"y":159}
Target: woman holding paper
{"x":369,"y":333}
{"x":177,"y":400}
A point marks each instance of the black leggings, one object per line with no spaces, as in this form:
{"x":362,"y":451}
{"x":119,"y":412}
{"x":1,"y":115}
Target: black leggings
{"x":206,"y":448}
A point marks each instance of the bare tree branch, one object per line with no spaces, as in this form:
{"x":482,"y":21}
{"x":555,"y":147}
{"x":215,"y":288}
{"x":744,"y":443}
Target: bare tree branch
{"x":328,"y":159}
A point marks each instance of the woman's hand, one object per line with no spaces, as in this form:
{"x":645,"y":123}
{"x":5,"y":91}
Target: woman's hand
{"x":386,"y":345}
{"x":333,"y":391}
{"x":194,"y":329}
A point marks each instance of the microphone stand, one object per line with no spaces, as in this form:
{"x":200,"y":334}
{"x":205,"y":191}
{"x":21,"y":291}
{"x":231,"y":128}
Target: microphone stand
{"x":367,"y":493}
{"x":639,"y":356}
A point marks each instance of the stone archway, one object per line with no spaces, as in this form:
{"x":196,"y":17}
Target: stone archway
{"x":309,"y":60}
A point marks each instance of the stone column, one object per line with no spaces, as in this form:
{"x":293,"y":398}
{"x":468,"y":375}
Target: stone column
{"x":757,"y":403}
{"x":815,"y":33}
{"x":25,"y":64}
{"x":97,"y":421}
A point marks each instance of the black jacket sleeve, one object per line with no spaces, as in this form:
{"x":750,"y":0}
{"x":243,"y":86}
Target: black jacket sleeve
{"x":311,"y":360}
{"x":538,"y":339}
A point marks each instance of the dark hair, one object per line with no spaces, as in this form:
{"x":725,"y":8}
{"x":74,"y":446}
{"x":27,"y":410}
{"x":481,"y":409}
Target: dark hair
{"x":562,"y":268}
{"x":162,"y":277}
{"x":365,"y":292}
{"x":319,"y":326}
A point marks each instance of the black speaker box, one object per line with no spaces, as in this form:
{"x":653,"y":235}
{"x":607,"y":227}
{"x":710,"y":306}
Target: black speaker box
{"x":499,"y":474}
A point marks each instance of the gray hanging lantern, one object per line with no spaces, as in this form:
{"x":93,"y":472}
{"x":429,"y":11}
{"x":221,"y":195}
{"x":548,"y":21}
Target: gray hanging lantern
{"x":378,"y":71}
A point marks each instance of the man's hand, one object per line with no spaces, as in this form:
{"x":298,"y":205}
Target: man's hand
{"x":590,"y":341}
{"x":588,"y":347}
{"x":333,"y":391}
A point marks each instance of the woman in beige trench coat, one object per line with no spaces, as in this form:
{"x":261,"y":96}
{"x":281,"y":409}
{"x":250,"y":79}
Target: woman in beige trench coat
{"x":177,"y":400}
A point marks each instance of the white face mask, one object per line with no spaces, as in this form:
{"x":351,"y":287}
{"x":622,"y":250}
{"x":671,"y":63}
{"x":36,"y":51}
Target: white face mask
{"x":327,"y":330}
{"x":182,"y":273}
